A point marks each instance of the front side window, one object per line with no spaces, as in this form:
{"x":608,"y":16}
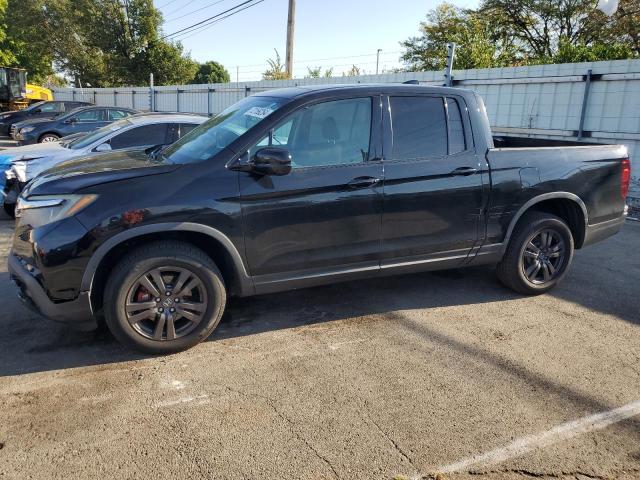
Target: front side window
{"x":324,"y":134}
{"x":146,"y":135}
{"x":217,"y":133}
{"x":419,"y":127}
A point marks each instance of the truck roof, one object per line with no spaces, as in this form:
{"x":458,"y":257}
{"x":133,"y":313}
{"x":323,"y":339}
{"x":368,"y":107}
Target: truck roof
{"x":373,"y":88}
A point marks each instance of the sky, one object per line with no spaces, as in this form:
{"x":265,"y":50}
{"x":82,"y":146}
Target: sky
{"x":328,"y":33}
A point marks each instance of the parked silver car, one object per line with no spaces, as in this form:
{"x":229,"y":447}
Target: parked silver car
{"x":138,"y":131}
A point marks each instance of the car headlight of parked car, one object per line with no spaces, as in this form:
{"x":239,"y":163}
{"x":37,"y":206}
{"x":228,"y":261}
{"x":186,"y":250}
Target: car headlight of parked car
{"x":27,"y":129}
{"x":40,"y":210}
{"x":19,"y":170}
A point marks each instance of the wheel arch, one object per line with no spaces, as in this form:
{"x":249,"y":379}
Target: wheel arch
{"x":50,"y":132}
{"x":213,"y":242}
{"x":565,"y":205}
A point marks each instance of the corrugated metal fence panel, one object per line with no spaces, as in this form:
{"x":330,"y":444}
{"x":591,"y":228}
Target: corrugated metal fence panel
{"x":542,"y":100}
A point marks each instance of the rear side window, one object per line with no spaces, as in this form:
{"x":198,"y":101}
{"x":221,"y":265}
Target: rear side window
{"x":457,"y":143}
{"x":117,"y":114}
{"x":419,"y":127}
{"x":144,"y":136}
{"x":50,"y":107}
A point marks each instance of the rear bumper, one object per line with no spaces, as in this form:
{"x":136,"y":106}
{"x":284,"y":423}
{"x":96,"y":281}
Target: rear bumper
{"x":599,"y":231}
{"x":74,"y":312}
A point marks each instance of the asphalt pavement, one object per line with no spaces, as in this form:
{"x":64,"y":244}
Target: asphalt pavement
{"x":444,"y":373}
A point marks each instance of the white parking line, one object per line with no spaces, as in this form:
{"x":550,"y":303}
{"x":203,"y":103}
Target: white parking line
{"x":557,"y":434}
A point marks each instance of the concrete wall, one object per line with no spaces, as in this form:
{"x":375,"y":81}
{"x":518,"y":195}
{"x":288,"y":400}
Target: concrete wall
{"x":541,"y":101}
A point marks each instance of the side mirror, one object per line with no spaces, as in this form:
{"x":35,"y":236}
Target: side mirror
{"x":37,"y":110}
{"x":103,"y":147}
{"x":71,"y":120}
{"x":271,"y":161}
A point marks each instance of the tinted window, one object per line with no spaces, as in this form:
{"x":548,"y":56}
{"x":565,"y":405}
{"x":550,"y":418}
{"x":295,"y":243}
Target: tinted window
{"x":330,"y":133}
{"x":89,"y":116}
{"x":50,"y":107}
{"x":71,"y":105}
{"x":419,"y":127}
{"x":117,"y":114}
{"x":147,"y":135}
{"x":186,"y":128}
{"x":456,"y":128}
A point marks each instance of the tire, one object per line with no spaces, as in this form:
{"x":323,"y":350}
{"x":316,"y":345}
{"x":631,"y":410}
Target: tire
{"x":148,"y":329}
{"x":10,"y":209}
{"x":537,"y":268}
{"x":48,"y":137}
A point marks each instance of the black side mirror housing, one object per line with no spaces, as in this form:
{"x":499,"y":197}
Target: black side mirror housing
{"x":271,"y":161}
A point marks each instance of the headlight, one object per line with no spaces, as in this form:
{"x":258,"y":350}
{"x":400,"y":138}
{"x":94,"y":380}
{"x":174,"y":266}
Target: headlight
{"x":27,"y":129}
{"x":10,"y":174}
{"x":19,"y":169}
{"x":44,"y":209}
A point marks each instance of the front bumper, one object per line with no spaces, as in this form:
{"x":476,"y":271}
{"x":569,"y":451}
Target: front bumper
{"x":73,"y":312}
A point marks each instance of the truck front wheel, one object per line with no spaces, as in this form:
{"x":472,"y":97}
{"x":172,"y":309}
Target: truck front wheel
{"x":164,"y":297}
{"x":538,"y":255}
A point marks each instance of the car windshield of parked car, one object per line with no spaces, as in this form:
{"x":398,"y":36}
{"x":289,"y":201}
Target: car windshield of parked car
{"x":213,"y":136}
{"x":97,"y":135}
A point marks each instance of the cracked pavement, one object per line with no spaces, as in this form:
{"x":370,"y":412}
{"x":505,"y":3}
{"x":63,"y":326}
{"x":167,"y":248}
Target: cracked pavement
{"x":378,"y":379}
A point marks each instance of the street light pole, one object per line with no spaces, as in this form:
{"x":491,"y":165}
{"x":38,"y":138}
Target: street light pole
{"x":378,"y":60}
{"x":290,"y":32}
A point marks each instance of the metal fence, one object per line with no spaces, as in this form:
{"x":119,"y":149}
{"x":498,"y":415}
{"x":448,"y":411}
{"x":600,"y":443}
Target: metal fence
{"x":596,"y":101}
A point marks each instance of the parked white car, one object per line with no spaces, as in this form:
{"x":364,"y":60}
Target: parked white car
{"x":137,"y":131}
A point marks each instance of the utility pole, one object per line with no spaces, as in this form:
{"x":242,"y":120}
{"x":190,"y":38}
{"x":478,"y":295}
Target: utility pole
{"x":378,"y":60}
{"x":291,"y":20}
{"x":451,"y":53}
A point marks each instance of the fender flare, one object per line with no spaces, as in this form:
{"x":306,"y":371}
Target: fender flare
{"x":246,"y":283}
{"x":541,"y":198}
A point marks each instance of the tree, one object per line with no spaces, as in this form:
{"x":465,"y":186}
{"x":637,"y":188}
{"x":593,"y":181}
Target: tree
{"x":316,"y":72}
{"x":354,"y":71}
{"x":276,"y":70}
{"x":478,"y":46}
{"x":99,"y":42}
{"x":211,"y":72}
{"x":524,"y":32}
{"x":7,"y":57}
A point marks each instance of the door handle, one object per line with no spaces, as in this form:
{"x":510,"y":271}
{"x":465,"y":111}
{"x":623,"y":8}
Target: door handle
{"x":464,"y":171}
{"x":363,"y":182}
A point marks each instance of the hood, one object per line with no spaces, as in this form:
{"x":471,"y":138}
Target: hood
{"x":29,"y":152}
{"x":87,"y":171}
{"x":33,"y":121}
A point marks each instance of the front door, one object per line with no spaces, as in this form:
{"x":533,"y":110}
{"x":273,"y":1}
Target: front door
{"x":87,"y":121}
{"x":325,"y":215}
{"x":433,"y":188}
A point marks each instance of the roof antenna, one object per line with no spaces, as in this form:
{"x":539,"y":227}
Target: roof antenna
{"x":411,"y":82}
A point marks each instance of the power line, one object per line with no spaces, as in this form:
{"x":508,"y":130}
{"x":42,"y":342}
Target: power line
{"x":193,"y":11}
{"x":181,"y":7}
{"x":208,"y":25}
{"x":208,"y":19}
{"x":168,"y":3}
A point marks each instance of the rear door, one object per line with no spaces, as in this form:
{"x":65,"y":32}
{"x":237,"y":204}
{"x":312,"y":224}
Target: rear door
{"x":324,"y":216}
{"x":433,"y":184}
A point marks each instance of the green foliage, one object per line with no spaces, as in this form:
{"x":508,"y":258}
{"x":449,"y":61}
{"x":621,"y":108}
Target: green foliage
{"x":101,"y":43}
{"x":524,"y":32}
{"x":7,"y":58}
{"x":316,"y":72}
{"x":276,"y":70}
{"x":211,"y":72}
{"x":354,"y":71}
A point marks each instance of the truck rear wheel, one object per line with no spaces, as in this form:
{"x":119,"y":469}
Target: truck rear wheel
{"x":164,"y":297}
{"x":538,"y":255}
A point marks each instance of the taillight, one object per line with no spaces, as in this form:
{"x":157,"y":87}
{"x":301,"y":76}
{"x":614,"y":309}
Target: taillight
{"x":626,"y":177}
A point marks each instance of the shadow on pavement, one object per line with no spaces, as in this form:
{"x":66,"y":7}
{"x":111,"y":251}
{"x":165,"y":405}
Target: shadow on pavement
{"x":31,"y":344}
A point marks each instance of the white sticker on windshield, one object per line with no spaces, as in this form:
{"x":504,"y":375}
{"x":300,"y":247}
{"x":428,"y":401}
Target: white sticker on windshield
{"x":258,"y":112}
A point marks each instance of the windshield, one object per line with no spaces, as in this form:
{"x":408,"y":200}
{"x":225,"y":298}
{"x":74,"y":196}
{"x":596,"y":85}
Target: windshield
{"x":98,"y":134}
{"x":214,"y":135}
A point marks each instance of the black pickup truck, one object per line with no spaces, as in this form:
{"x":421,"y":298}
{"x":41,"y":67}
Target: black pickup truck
{"x":299,"y":187}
